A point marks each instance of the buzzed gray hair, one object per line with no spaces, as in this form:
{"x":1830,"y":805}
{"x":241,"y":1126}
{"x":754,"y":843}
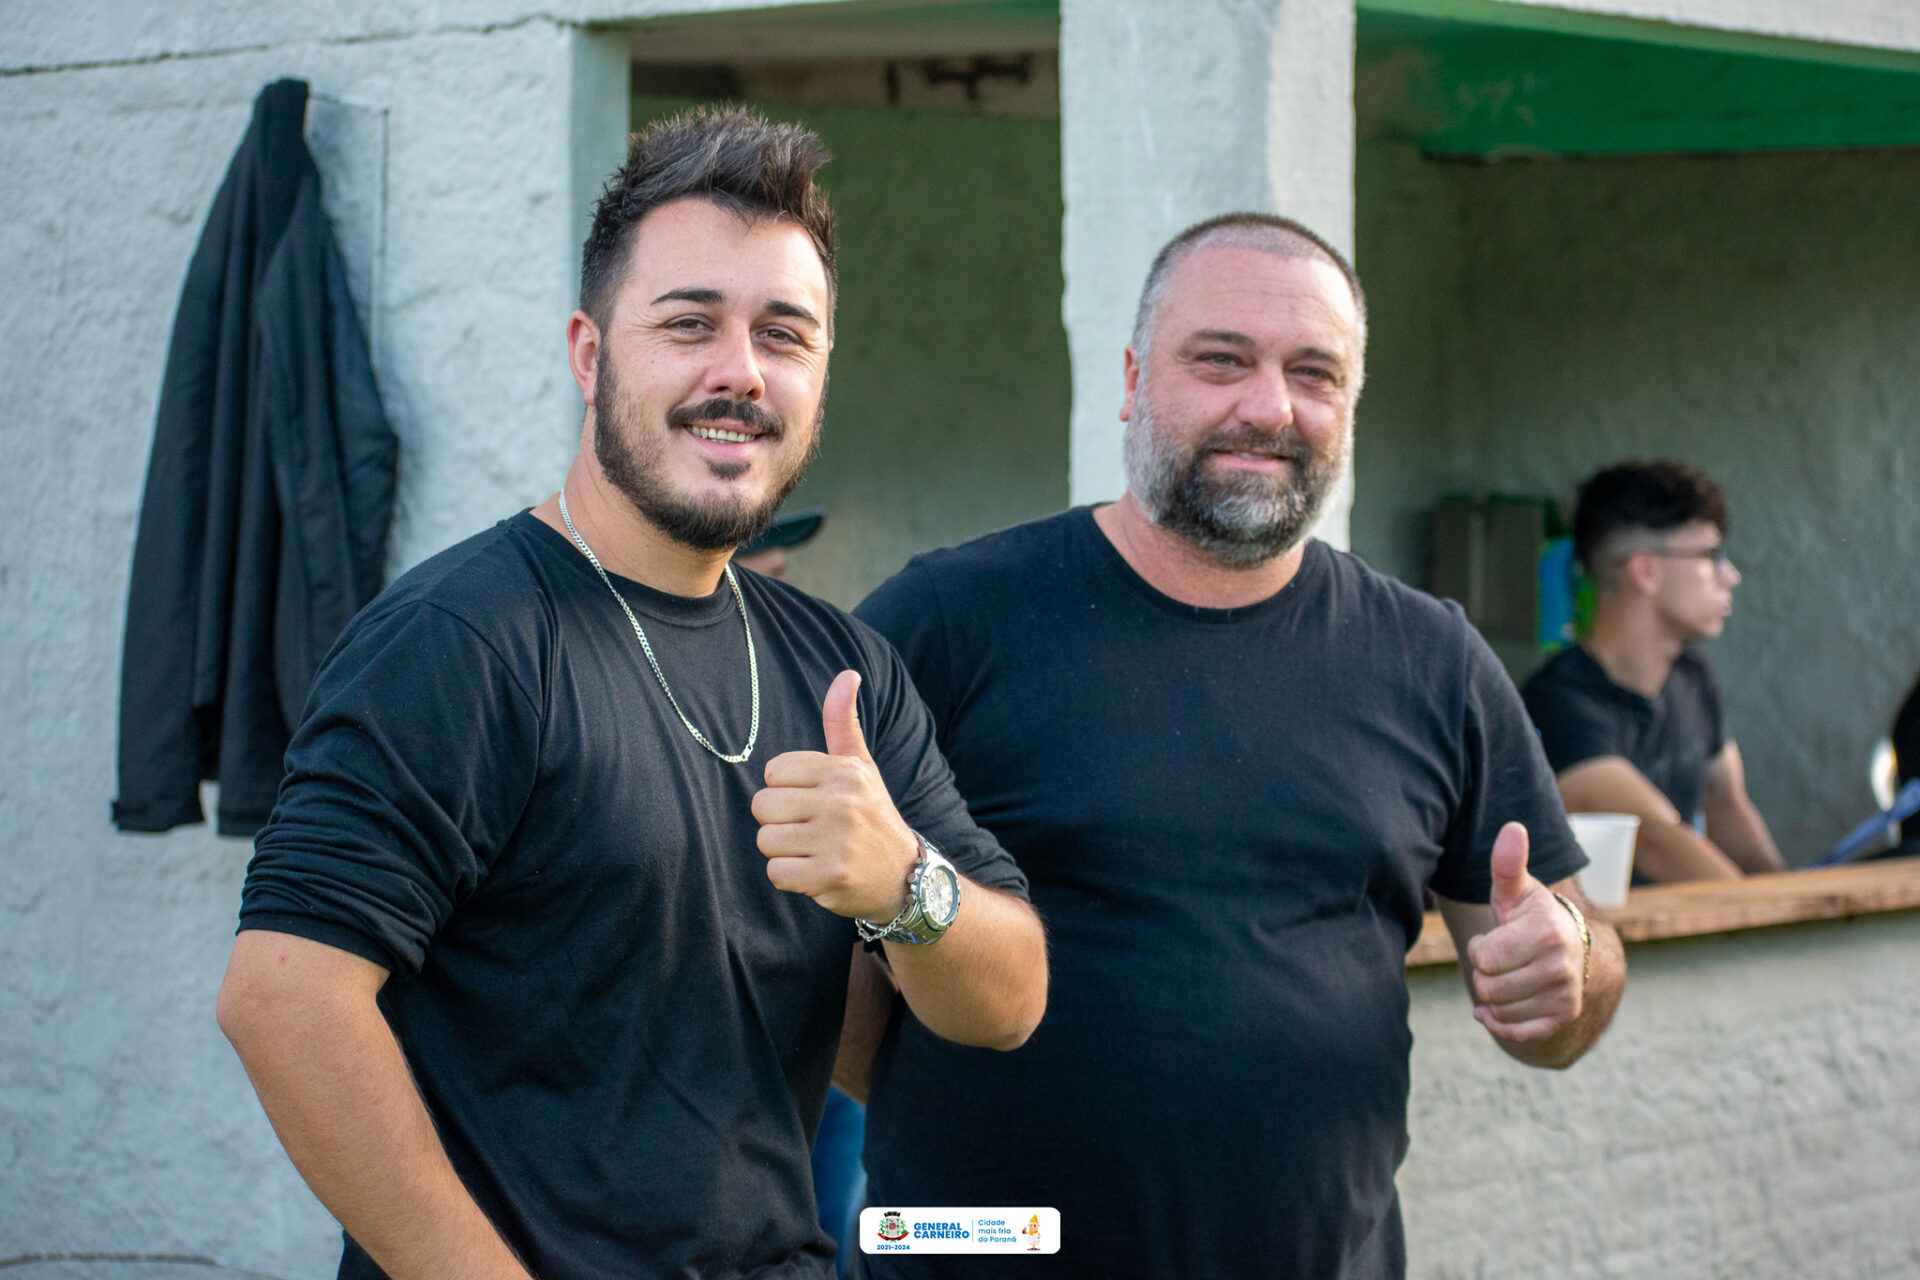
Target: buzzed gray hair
{"x":1265,"y":232}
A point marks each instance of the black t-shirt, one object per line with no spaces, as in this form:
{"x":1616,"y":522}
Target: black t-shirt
{"x":622,"y":1030}
{"x":1671,"y":739}
{"x":1228,"y":817}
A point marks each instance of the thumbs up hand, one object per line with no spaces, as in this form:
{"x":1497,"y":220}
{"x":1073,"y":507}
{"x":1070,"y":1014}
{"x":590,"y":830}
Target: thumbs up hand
{"x":828,"y":827}
{"x":1526,"y":971}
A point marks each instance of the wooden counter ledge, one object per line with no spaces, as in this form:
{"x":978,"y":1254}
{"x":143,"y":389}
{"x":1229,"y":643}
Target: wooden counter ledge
{"x":1722,"y":906}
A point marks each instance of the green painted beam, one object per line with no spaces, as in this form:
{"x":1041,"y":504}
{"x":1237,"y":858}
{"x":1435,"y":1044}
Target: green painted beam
{"x":1571,"y":22}
{"x":1461,"y":90}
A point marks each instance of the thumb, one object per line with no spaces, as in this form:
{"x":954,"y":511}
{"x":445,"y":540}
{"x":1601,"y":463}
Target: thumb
{"x":1508,"y":863}
{"x":840,"y":717}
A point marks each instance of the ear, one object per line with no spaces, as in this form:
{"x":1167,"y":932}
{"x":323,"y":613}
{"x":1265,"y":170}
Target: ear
{"x":583,"y":352}
{"x":1641,"y":572}
{"x":1131,"y":375}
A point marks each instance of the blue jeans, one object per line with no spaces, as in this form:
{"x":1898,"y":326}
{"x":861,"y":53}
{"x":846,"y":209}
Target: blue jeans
{"x":839,"y":1179}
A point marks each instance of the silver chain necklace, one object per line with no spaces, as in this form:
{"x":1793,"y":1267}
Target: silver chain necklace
{"x":753,"y":661}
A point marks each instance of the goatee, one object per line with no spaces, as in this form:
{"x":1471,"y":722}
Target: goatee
{"x":1241,"y":518}
{"x":632,"y":456}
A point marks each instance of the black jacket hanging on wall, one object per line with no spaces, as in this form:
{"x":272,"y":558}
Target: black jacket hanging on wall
{"x":263,"y":528}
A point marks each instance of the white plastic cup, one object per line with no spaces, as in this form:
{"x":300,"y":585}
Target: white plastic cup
{"x":1607,"y":839}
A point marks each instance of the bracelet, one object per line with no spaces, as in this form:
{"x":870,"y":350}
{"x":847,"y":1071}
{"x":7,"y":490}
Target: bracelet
{"x":1586,"y":936}
{"x":874,"y":934}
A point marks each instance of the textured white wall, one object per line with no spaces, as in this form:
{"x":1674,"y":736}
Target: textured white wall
{"x":1754,"y":1112}
{"x":1175,"y":113}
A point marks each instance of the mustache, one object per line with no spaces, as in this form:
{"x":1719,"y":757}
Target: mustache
{"x":1277,"y":444}
{"x":745,"y":412}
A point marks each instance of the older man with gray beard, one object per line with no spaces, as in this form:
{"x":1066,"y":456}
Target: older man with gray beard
{"x":1231,"y":761}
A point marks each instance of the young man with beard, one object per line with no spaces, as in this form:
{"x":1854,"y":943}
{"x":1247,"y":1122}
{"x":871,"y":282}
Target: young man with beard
{"x":544,"y":951}
{"x":1230,"y":761}
{"x":1630,"y":717}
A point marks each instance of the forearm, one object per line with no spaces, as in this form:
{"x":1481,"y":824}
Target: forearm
{"x":870,"y":997}
{"x":337,"y":1090}
{"x":1732,"y":821}
{"x":1669,"y":851}
{"x":985,"y":981}
{"x":1737,"y":828}
{"x":1667,"y":847}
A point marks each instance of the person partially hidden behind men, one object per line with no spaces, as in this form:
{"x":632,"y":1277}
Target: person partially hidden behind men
{"x":770,"y":553}
{"x":535,"y":976}
{"x":1630,"y":717}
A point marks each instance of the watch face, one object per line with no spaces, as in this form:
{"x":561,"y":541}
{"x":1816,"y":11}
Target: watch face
{"x":940,"y":894}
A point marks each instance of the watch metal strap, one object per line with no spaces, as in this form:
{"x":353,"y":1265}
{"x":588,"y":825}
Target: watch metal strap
{"x":906,"y":927}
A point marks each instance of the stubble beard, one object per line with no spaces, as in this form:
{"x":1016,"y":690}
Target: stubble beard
{"x":632,"y":456}
{"x":1243,"y":519}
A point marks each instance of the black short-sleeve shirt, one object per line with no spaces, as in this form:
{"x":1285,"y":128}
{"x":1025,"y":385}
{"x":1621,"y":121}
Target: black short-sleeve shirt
{"x":622,"y":1030}
{"x":1671,"y":739}
{"x":1228,"y":817}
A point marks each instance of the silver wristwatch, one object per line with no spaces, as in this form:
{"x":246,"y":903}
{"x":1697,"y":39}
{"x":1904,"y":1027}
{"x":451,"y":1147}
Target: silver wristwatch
{"x":933,"y":902}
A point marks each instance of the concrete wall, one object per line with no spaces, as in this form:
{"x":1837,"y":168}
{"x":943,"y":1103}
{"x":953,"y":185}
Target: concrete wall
{"x":1753,"y":1114}
{"x":947,"y":413}
{"x":1750,"y":314}
{"x":126,"y":1124}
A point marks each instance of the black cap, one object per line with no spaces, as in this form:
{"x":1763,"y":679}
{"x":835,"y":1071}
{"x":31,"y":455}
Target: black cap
{"x":789,"y":529}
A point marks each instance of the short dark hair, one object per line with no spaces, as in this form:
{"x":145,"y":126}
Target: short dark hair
{"x":1267,"y":232}
{"x":731,"y":156}
{"x":1657,"y":497}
